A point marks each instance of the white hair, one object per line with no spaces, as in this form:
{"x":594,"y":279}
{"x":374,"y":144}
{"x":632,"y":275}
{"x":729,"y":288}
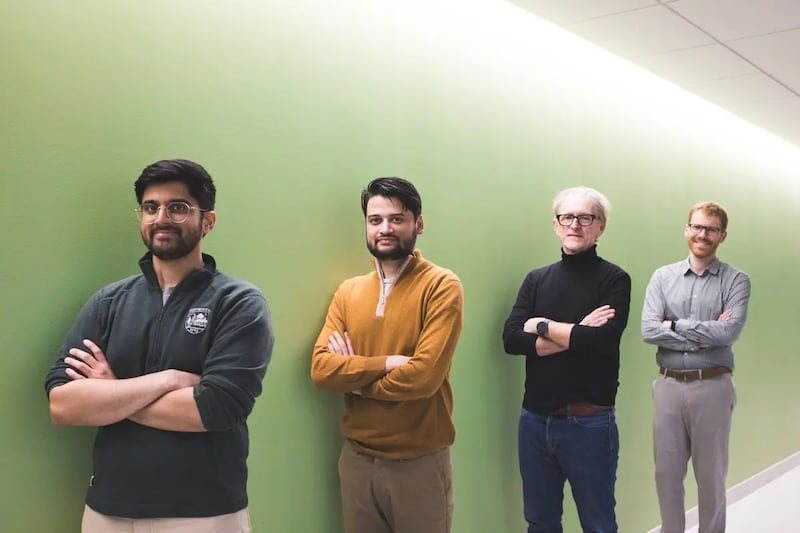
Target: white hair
{"x":602,"y":206}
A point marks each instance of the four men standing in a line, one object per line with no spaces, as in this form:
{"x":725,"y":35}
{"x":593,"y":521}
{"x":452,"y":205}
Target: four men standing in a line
{"x":694,"y":310}
{"x":167,"y":364}
{"x":387,"y":345}
{"x":568,"y":320}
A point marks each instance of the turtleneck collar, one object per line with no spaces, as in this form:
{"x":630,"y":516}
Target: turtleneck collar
{"x":589,"y":257}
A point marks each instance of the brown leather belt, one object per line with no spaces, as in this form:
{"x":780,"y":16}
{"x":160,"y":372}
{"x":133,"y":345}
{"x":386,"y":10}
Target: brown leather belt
{"x":694,"y":375}
{"x":580,"y":409}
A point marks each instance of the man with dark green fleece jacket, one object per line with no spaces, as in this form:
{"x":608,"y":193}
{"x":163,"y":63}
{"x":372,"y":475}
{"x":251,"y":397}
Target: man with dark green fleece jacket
{"x":167,"y":364}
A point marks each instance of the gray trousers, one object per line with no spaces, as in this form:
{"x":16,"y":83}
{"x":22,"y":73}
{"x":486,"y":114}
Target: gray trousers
{"x":692,"y":420}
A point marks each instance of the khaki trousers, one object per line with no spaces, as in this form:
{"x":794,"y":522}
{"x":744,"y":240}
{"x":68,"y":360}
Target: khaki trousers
{"x":692,"y":420}
{"x":382,"y":496}
{"x":94,"y":522}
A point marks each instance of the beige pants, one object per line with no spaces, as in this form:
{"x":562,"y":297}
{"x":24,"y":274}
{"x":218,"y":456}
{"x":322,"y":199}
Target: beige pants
{"x":380,"y":496}
{"x":94,"y":522}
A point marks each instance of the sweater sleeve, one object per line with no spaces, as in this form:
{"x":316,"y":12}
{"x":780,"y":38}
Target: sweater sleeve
{"x":515,"y":340}
{"x":428,"y":367}
{"x":236,"y":363}
{"x":590,"y":340}
{"x":341,"y":373}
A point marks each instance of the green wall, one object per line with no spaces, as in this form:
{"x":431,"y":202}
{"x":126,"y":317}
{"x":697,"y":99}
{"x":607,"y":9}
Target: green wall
{"x":293,"y":105}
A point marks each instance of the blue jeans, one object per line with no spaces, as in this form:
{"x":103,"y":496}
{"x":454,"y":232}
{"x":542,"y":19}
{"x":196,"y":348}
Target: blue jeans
{"x":581,"y":449}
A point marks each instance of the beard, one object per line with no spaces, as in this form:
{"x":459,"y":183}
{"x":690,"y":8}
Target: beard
{"x":402,"y":249}
{"x":186,"y":239}
{"x":709,"y":249}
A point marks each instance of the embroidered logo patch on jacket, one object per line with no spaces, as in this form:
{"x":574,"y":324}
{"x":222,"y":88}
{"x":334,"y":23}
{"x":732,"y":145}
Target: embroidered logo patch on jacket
{"x":197,"y":320}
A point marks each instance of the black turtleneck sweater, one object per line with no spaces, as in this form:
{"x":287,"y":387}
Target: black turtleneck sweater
{"x":567,"y":291}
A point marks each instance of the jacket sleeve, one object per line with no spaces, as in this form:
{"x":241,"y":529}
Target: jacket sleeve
{"x":515,"y":340}
{"x":590,"y":340}
{"x":341,"y":373}
{"x":86,"y":326}
{"x":720,"y":332}
{"x":428,"y":367}
{"x":236,"y":362}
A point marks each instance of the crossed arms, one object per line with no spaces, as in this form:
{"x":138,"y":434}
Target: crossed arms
{"x":337,"y":366}
{"x":95,"y":397}
{"x":599,"y":329}
{"x":84,"y":390}
{"x":691,"y":335}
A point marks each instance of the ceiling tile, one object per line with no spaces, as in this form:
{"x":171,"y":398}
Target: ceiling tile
{"x":696,"y":64}
{"x":642,"y":32}
{"x":569,"y":11}
{"x":772,"y":109}
{"x":733,"y":19}
{"x":778,"y":54}
{"x":740,"y":89}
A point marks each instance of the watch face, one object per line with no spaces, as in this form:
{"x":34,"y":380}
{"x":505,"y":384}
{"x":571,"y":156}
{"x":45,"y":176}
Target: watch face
{"x":541,"y":328}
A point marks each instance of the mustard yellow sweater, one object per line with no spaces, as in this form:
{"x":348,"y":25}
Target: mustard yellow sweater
{"x":406,"y":413}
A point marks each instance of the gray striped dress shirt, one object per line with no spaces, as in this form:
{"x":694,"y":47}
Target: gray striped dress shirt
{"x":695,"y":303}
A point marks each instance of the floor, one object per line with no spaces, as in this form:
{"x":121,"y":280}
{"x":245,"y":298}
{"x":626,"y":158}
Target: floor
{"x":768,"y":502}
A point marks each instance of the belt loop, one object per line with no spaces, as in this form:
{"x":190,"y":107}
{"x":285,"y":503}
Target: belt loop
{"x":700,"y":374}
{"x":569,"y":409}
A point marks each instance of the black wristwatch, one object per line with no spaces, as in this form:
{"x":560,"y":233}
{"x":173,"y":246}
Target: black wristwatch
{"x":672,"y":325}
{"x":542,"y":328}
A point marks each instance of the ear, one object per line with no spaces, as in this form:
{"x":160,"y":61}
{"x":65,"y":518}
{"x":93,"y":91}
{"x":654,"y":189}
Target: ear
{"x":209,"y":219}
{"x":722,"y":237}
{"x":602,"y":228}
{"x":419,"y":225}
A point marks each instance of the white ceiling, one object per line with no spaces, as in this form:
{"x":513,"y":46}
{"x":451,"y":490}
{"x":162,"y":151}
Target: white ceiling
{"x":743,"y":55}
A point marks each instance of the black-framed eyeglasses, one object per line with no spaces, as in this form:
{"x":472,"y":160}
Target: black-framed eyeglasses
{"x":697,"y":229}
{"x":177,"y":212}
{"x":583,"y":220}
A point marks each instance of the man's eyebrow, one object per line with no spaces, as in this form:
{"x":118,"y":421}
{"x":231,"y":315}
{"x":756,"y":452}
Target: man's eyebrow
{"x":152,"y":201}
{"x":400,"y":214}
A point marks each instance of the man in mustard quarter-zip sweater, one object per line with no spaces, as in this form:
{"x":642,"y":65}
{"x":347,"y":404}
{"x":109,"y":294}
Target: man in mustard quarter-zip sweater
{"x":387,"y":345}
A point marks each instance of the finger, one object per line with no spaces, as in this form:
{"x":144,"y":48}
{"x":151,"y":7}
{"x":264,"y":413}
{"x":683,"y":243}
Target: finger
{"x":84,"y":357}
{"x":334,"y":341}
{"x":95,"y":349}
{"x":72,"y":374}
{"x":349,"y":343}
{"x":76,"y":363}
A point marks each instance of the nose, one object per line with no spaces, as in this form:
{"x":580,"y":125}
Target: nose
{"x":161,"y":215}
{"x":574,"y":223}
{"x":385,"y":227}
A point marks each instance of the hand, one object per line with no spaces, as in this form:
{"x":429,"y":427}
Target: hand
{"x":530,"y":325}
{"x":88,"y":364}
{"x":666,"y":324}
{"x":394,"y":361}
{"x":726,"y":315}
{"x":340,"y":345}
{"x":598,"y":317}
